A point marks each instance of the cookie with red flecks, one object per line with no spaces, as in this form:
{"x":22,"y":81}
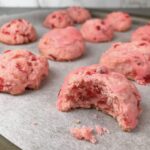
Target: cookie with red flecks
{"x":79,"y":14}
{"x":21,"y":70}
{"x":58,"y":19}
{"x":97,"y":30}
{"x":62,"y":44}
{"x":120,"y":21}
{"x":141,"y":34}
{"x":131,"y":59}
{"x":97,"y":87}
{"x":17,"y":31}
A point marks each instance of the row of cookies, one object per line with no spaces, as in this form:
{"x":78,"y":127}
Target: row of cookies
{"x":106,"y":86}
{"x":103,"y":86}
{"x":21,"y":69}
{"x":97,"y":86}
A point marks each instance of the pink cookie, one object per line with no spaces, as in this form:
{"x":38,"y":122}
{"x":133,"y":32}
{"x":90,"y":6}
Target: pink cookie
{"x":131,"y":59}
{"x":79,"y":14}
{"x":20,"y":70}
{"x":17,"y":31}
{"x":141,"y":33}
{"x":96,"y":86}
{"x":58,"y":19}
{"x":96,"y":30}
{"x":62,"y":44}
{"x":120,"y":21}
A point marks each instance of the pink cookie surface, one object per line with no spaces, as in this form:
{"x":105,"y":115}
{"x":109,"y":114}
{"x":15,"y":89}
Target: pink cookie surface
{"x":17,"y":31}
{"x":120,"y":21}
{"x":79,"y":14}
{"x":131,"y":59}
{"x":96,"y":86}
{"x":62,"y":44}
{"x":141,"y":34}
{"x":96,"y":30}
{"x":58,"y":19}
{"x":20,"y":70}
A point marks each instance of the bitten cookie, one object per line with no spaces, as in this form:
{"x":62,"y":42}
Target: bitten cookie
{"x":20,"y":70}
{"x":79,"y":14}
{"x":62,"y":44}
{"x":96,"y":30}
{"x":96,"y":86}
{"x":58,"y":19}
{"x":131,"y":59}
{"x":141,"y":34}
{"x":17,"y":31}
{"x":120,"y":21}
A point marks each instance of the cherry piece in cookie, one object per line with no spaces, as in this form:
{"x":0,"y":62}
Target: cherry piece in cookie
{"x":58,"y":19}
{"x":120,"y":21}
{"x":131,"y":59}
{"x":20,"y":70}
{"x":62,"y":44}
{"x":96,"y":30}
{"x":111,"y":92}
{"x":17,"y":31}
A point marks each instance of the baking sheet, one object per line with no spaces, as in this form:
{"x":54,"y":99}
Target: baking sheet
{"x":32,"y":122}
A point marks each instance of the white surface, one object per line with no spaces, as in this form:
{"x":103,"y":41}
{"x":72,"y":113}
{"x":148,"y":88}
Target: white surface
{"x":87,"y":3}
{"x":32,"y":121}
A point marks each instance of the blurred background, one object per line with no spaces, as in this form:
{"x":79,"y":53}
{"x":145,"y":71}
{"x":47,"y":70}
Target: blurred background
{"x":85,"y":3}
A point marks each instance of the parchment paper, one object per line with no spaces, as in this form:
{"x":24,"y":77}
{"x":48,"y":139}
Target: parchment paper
{"x":32,"y":121}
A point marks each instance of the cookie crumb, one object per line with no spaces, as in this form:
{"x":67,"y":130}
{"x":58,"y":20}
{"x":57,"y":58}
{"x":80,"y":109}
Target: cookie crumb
{"x":77,"y":121}
{"x":101,"y":130}
{"x":83,"y":133}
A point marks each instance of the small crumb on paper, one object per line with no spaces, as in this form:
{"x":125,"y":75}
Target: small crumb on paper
{"x":101,"y":130}
{"x":77,"y":121}
{"x":83,"y":133}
